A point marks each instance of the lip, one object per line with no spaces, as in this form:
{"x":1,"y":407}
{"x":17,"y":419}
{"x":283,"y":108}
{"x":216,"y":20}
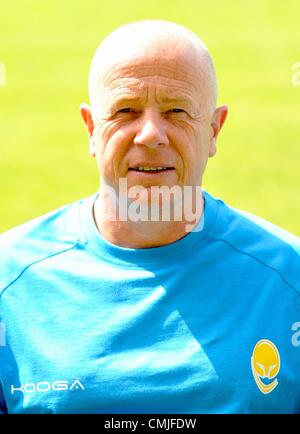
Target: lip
{"x":143,"y":164}
{"x":140,"y":176}
{"x":149,"y":174}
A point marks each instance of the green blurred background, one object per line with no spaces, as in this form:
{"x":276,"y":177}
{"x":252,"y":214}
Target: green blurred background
{"x":47,"y":47}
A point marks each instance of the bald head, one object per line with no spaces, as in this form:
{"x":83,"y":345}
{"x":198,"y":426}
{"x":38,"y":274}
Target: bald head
{"x":152,"y":40}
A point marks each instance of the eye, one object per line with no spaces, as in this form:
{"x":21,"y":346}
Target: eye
{"x":126,"y":110}
{"x":177,"y":110}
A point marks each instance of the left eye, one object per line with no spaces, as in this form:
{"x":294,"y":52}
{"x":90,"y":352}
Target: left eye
{"x":176,"y":110}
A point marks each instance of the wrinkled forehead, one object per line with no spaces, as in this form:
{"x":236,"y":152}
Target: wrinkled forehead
{"x":148,"y":84}
{"x":173,"y":73}
{"x":141,"y":71}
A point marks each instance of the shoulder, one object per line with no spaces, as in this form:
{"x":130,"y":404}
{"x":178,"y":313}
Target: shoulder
{"x":260,"y":239}
{"x":36,"y":240}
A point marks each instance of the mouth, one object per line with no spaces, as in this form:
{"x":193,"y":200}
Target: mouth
{"x":150,"y":170}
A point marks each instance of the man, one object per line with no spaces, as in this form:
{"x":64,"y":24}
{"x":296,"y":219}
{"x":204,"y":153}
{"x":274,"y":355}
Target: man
{"x":106,"y":306}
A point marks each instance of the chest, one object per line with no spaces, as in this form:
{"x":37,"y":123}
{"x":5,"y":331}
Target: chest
{"x":155,"y":347}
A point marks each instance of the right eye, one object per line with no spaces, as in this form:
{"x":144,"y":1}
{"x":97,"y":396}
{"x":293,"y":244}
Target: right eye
{"x":126,"y":110}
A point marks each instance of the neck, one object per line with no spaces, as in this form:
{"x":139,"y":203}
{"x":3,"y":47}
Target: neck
{"x":144,"y":233}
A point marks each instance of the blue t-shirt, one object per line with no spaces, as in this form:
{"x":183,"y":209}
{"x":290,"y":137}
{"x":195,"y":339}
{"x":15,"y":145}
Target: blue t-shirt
{"x":207,"y":324}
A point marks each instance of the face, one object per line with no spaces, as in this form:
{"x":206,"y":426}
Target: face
{"x":154,"y":114}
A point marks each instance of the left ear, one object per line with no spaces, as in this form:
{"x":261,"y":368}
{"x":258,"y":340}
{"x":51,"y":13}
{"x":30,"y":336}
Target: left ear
{"x":217,"y":122}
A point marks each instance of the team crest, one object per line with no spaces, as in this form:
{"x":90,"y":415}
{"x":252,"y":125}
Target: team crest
{"x":265,"y":364}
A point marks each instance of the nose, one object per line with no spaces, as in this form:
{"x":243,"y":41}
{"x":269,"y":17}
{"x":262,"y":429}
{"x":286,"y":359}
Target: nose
{"x":152,"y":130}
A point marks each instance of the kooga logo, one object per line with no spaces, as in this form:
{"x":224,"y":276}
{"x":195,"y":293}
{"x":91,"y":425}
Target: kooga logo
{"x":45,"y":386}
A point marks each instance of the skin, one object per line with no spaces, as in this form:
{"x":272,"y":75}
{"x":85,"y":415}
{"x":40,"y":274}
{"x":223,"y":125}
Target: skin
{"x":153,"y":103}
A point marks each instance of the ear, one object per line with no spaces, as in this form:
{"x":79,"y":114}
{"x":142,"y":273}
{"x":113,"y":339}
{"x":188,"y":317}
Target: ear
{"x":218,"y":120}
{"x":86,"y":115}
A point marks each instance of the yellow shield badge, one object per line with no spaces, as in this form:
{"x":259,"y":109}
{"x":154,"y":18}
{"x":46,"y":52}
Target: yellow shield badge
{"x":265,"y":364}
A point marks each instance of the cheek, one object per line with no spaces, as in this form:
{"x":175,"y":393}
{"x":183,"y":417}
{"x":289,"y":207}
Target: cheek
{"x":195,"y":154}
{"x":113,"y":141}
{"x":181,"y":134}
{"x":189,"y":143}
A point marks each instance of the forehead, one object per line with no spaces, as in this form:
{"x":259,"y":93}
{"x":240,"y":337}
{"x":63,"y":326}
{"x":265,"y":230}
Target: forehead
{"x":169,"y":79}
{"x":168,"y":68}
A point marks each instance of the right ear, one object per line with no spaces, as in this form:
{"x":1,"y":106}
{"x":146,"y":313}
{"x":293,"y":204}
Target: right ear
{"x":86,"y":115}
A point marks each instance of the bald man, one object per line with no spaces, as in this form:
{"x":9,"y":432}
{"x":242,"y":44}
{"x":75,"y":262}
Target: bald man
{"x":150,"y":296}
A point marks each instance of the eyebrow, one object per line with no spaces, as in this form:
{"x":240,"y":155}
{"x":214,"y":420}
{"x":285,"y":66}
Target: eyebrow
{"x":129,"y":99}
{"x":123,"y":100}
{"x":175,"y":99}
